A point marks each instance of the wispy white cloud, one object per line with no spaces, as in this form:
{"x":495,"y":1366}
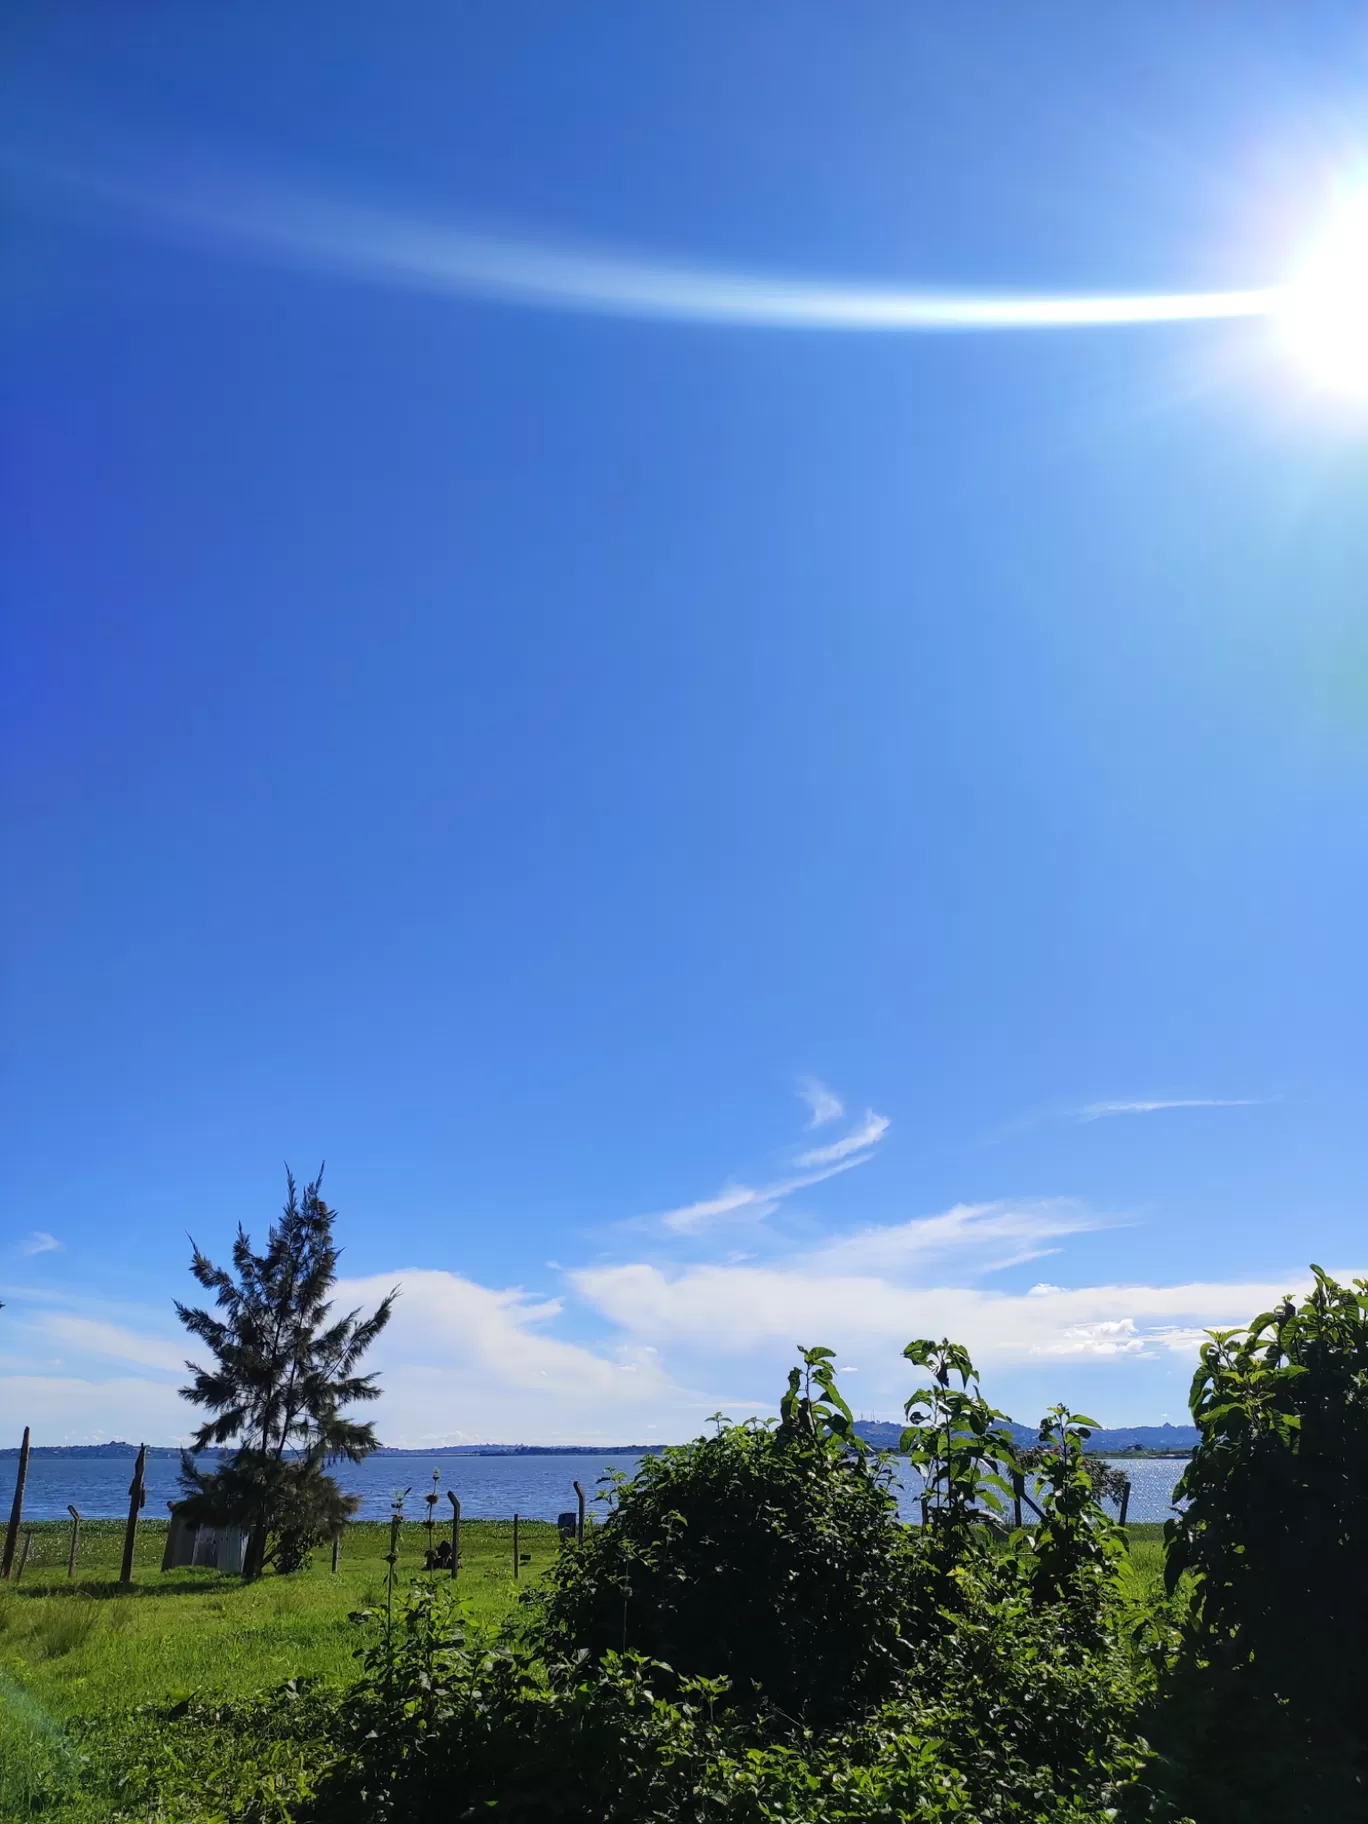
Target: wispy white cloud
{"x":1101,"y":1111}
{"x":977,"y":1237}
{"x":869,"y":1134}
{"x":752,"y":1203}
{"x":747,"y":1203}
{"x":824,"y":1103}
{"x":878,"y":1273}
{"x":40,"y":1242}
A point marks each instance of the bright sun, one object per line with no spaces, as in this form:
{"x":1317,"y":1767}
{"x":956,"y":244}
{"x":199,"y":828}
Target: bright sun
{"x":1325,"y":308}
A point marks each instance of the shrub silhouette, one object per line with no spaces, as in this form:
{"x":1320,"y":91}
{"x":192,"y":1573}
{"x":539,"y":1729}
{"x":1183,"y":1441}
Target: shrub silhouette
{"x":768,"y":1555}
{"x":1270,"y":1693}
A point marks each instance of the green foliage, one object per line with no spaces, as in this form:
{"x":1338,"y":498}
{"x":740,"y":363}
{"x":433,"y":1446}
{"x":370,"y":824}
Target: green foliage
{"x":960,"y":1444}
{"x":173,"y":1761}
{"x":1108,"y":1482}
{"x":769,"y":1556}
{"x":1269,"y":1696}
{"x":791,"y":1654}
{"x":1076,"y":1540}
{"x":1008,"y":1716}
{"x":285,"y":1371}
{"x":302,"y":1505}
{"x":752,"y":1637}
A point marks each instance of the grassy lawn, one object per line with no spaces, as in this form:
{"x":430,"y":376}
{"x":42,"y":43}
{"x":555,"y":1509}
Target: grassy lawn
{"x":87,"y":1647}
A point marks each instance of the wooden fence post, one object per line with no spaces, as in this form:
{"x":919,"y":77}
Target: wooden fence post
{"x":455,"y":1533}
{"x":1125,"y":1501}
{"x":579,"y":1530}
{"x":16,"y":1509}
{"x":1018,"y":1484}
{"x":23,"y":1556}
{"x":515,"y":1548}
{"x":431,"y":1522}
{"x":137,"y":1495}
{"x":75,"y":1532}
{"x":337,"y":1547}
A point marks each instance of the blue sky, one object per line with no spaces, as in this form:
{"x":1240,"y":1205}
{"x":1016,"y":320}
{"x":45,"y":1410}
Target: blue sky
{"x":723,"y":834}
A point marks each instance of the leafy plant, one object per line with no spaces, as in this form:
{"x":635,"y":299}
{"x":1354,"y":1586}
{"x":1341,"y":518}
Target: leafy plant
{"x":1009,"y":1716}
{"x":1269,"y":1696}
{"x":768,"y":1555}
{"x":1108,"y":1482}
{"x":1076,"y":1537}
{"x":959,"y":1442}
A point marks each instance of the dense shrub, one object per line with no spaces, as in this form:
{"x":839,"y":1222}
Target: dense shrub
{"x":1267,"y":1711}
{"x":770,"y":1556}
{"x":1006,"y":1716}
{"x":792,"y":1654}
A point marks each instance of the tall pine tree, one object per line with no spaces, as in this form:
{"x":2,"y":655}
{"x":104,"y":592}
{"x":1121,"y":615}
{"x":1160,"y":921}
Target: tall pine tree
{"x":284,"y":1375}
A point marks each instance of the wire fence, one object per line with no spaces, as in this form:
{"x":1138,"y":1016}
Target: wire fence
{"x":44,"y":1548}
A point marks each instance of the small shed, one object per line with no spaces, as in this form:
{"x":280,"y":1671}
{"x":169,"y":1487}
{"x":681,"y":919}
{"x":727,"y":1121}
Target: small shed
{"x":194,"y":1542}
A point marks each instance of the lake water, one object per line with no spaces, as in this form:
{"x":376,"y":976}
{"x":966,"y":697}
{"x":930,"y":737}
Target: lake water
{"x":489,"y":1488}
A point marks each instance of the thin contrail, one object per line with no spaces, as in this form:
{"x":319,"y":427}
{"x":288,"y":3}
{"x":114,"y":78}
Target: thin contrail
{"x":383,"y":248}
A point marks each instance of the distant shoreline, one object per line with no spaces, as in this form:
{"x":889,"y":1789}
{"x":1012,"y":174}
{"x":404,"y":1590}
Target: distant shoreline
{"x":119,"y":1451}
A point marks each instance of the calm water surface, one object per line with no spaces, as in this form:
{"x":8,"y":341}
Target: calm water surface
{"x":489,"y":1488}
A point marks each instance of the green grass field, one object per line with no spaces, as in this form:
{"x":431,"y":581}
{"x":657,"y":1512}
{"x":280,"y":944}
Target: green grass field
{"x":87,"y":1649}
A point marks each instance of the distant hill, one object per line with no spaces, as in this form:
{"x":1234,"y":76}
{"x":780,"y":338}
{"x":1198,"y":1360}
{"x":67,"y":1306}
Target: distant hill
{"x":115,"y":1448}
{"x":1106,"y":1440}
{"x":1144,"y":1437}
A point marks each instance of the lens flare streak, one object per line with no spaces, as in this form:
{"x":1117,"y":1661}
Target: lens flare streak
{"x":375,"y":246}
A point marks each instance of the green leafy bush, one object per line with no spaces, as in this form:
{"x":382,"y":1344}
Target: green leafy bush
{"x":771,"y":1556}
{"x":793,"y":1655}
{"x":802,"y":1658}
{"x":1267,"y":1711}
{"x":1008,"y":1715}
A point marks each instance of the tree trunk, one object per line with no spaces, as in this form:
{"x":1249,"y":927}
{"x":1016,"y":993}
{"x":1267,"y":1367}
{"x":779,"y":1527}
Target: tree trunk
{"x":255,"y":1560}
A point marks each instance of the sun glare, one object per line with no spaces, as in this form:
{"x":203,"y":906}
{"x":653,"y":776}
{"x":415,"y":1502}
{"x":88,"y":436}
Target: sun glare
{"x":1325,"y":308}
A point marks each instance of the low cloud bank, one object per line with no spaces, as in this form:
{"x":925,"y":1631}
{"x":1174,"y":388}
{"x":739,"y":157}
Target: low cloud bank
{"x":645,"y":1350}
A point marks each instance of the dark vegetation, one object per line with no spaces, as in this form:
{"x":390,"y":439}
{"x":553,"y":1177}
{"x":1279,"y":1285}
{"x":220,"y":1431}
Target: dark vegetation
{"x":752,"y":1636}
{"x":824,"y":1662}
{"x":1269,"y":1717}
